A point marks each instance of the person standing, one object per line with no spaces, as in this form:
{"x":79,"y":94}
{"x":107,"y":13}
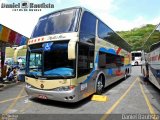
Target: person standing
{"x":12,"y":75}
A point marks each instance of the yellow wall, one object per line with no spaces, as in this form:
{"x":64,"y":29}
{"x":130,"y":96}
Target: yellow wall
{"x":10,"y":52}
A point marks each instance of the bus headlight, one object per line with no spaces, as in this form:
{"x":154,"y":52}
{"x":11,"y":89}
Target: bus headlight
{"x":65,"y":88}
{"x":28,"y":85}
{"x":158,"y":73}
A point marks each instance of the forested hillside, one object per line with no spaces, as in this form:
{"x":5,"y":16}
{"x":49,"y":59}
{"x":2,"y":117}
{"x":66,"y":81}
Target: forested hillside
{"x":137,"y":36}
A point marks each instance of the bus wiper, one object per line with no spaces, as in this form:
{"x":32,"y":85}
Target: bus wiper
{"x":90,"y":41}
{"x":35,"y":76}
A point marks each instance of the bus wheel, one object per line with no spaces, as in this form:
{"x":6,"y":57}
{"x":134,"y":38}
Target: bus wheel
{"x":100,"y":85}
{"x":126,"y":74}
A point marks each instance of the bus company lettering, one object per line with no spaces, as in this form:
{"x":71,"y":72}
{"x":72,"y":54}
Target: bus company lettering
{"x":155,"y":58}
{"x":50,"y":38}
{"x":55,"y":37}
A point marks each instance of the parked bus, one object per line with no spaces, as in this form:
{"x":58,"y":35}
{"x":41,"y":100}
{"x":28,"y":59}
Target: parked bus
{"x":73,"y":54}
{"x":151,"y":68}
{"x":136,"y":57}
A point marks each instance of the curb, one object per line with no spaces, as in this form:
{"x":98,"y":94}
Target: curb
{"x":5,"y":86}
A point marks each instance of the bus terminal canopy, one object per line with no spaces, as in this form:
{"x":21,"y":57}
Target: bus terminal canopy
{"x":153,"y":41}
{"x":10,"y":37}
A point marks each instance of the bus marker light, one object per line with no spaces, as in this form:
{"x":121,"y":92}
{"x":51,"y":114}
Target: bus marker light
{"x":42,"y":86}
{"x":100,"y":98}
{"x":71,"y":87}
{"x":42,"y":97}
{"x":83,"y":86}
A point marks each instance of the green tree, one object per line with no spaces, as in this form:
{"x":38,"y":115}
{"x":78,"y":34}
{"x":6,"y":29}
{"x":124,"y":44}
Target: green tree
{"x":137,"y":36}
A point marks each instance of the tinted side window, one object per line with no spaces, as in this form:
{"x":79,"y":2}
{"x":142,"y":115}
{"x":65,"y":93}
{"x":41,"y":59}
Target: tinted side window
{"x":113,"y":61}
{"x":88,"y":27}
{"x":85,"y":59}
{"x":104,"y":32}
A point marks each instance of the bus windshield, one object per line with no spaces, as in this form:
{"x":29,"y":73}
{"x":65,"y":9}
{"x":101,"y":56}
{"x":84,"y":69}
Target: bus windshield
{"x":59,"y":22}
{"x":50,"y":60}
{"x":136,"y":54}
{"x":35,"y":63}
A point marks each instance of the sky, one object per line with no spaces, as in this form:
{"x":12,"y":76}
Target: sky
{"x":120,"y":15}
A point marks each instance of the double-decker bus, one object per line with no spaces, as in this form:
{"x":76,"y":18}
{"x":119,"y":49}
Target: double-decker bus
{"x":151,"y":68}
{"x":136,"y":57}
{"x":73,"y":54}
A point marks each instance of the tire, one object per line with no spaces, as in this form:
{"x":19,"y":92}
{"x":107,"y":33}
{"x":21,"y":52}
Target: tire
{"x":99,"y":85}
{"x":125,"y":76}
{"x":129,"y":74}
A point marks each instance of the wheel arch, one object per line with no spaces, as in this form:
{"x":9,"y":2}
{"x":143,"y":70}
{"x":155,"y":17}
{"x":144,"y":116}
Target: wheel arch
{"x":98,"y":75}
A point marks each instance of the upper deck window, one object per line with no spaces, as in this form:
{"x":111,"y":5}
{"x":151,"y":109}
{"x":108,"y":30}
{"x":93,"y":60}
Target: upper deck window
{"x":88,"y":23}
{"x":88,"y":27}
{"x":59,"y":22}
{"x":104,"y":32}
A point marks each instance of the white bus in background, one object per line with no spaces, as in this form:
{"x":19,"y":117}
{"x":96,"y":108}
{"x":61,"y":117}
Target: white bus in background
{"x":136,"y":57}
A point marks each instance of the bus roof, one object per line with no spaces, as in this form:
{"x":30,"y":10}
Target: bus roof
{"x":152,"y":46}
{"x":155,"y":46}
{"x":78,"y":7}
{"x":120,"y":42}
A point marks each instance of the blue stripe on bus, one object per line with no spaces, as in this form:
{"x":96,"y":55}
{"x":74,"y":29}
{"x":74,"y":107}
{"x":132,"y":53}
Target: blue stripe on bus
{"x":111,"y":50}
{"x":109,"y":71}
{"x":96,"y":58}
{"x":89,"y":77}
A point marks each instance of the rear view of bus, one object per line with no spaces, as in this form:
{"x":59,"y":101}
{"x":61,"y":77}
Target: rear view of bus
{"x":136,"y":57}
{"x":66,"y":59}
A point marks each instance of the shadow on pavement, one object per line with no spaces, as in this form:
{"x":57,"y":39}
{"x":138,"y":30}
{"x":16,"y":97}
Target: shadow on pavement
{"x":114,"y":85}
{"x":62,"y":104}
{"x":73,"y":105}
{"x":153,"y":90}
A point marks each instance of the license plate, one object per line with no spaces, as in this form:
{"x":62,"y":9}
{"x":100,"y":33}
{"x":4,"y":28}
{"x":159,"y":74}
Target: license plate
{"x":42,"y":97}
{"x":83,"y":86}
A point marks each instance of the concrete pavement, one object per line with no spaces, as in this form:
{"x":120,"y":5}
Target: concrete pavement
{"x":131,"y":96}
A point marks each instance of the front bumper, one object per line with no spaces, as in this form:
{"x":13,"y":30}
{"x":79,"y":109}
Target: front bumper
{"x":64,"y":96}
